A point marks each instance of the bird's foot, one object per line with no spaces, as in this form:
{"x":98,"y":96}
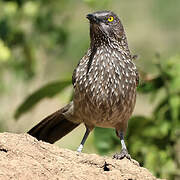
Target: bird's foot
{"x":80,"y":148}
{"x":124,"y":153}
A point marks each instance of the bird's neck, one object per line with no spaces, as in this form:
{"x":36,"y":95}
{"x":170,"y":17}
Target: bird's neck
{"x":99,"y":39}
{"x":120,"y":44}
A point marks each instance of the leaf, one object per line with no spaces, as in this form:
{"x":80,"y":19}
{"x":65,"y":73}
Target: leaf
{"x":174,"y":102}
{"x":151,"y":85}
{"x":150,"y":132}
{"x":164,"y":129}
{"x":105,"y":139}
{"x":161,"y":104}
{"x":48,"y":90}
{"x":136,"y":123}
{"x":135,"y":132}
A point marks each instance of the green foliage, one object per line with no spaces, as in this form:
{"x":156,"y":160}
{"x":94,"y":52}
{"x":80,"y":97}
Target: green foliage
{"x":105,"y":140}
{"x":151,"y":140}
{"x":47,"y":91}
{"x":25,"y":28}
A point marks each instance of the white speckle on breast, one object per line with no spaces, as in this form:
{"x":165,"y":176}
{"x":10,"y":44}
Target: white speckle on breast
{"x":102,"y":57}
{"x":122,"y":64}
{"x":127,"y":74}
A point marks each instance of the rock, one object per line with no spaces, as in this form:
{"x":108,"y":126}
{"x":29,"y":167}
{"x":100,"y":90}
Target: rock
{"x":23,"y":157}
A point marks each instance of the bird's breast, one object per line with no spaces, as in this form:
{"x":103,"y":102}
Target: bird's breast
{"x":107,"y":86}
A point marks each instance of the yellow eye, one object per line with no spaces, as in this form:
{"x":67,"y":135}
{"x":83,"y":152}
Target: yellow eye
{"x":110,"y":18}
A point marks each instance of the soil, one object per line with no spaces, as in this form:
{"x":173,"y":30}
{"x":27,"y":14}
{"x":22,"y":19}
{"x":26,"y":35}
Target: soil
{"x":22,"y":157}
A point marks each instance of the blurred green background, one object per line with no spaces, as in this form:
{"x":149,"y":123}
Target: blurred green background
{"x":42,"y":41}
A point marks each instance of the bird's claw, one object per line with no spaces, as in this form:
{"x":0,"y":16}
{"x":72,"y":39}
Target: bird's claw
{"x":124,"y":153}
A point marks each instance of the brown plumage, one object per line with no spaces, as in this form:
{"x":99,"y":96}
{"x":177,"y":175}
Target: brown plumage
{"x":104,"y":83}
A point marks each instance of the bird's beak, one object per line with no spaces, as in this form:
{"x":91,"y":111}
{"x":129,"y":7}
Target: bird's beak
{"x":92,"y":18}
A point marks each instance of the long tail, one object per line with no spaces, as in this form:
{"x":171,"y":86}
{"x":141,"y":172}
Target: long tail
{"x":53,"y":127}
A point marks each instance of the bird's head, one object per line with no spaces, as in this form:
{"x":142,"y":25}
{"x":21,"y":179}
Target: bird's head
{"x":103,"y":25}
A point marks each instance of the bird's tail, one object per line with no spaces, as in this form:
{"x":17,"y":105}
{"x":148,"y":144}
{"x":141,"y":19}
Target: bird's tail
{"x":53,"y":127}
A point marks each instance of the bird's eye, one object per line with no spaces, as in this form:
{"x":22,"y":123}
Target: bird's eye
{"x":110,"y":18}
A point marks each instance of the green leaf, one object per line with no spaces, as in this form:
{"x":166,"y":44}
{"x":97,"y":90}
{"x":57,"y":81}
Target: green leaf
{"x":151,"y":85}
{"x":174,"y":101}
{"x":161,"y":104}
{"x":136,"y":123}
{"x":105,"y":140}
{"x":47,"y":91}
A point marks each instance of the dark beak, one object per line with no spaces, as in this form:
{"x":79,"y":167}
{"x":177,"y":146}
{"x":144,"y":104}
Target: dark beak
{"x":92,"y":18}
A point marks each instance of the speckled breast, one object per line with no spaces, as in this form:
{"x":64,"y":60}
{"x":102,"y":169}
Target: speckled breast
{"x":105,"y":93}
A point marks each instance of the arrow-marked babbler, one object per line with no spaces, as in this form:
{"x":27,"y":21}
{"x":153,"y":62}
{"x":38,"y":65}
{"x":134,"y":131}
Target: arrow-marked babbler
{"x":104,"y":81}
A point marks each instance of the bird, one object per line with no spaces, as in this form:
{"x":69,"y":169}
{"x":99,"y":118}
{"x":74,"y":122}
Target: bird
{"x":104,"y":86}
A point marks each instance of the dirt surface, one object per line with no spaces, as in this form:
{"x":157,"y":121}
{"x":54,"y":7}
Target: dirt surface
{"x":23,"y":157}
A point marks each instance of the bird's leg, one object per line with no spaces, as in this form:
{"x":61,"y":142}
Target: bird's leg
{"x":124,"y":152}
{"x":80,"y":148}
